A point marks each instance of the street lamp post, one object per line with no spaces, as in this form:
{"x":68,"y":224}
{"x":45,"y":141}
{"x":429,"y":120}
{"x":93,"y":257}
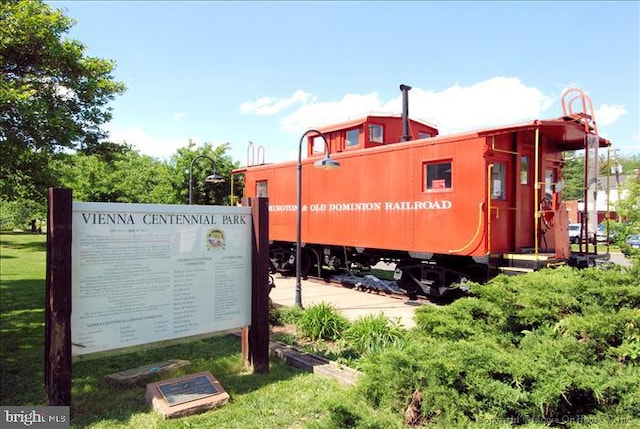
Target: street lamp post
{"x":213,"y":178}
{"x":326,"y":163}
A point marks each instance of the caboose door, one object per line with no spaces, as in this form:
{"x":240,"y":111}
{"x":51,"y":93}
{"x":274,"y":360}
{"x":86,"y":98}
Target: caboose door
{"x":525,"y":221}
{"x":503,"y":199}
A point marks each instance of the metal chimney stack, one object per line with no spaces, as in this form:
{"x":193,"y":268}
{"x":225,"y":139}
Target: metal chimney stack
{"x":405,"y":112}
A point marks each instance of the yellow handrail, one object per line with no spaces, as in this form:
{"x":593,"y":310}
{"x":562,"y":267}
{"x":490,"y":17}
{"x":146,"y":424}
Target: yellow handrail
{"x":474,"y":235}
{"x":489,"y":172}
{"x":536,"y":191}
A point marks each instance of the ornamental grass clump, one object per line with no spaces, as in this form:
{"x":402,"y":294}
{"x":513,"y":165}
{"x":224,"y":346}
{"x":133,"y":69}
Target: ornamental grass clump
{"x":373,"y":333}
{"x":322,"y":322}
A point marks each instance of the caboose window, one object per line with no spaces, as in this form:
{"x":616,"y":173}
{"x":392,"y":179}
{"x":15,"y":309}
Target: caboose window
{"x":438,"y":176}
{"x":424,"y":135}
{"x":524,"y":170}
{"x":318,"y":145}
{"x":261,"y":189}
{"x":498,"y":183}
{"x":353,"y":137}
{"x":548,"y":183}
{"x":376,"y":133}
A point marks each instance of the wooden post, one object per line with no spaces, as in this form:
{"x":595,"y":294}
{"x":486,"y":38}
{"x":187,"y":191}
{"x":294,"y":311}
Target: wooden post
{"x":57,"y":348}
{"x":255,"y":338}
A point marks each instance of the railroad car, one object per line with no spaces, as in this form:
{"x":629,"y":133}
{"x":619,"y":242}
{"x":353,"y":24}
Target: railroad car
{"x":442,"y":208}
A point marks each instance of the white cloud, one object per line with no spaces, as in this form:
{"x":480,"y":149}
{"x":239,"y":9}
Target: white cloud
{"x":146,"y":144}
{"x":497,"y":101}
{"x":608,"y":114}
{"x":270,"y":106}
{"x":317,"y":114}
{"x":179,"y":116}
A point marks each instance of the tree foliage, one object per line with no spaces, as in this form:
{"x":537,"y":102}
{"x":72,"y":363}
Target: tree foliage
{"x":118,"y":177}
{"x":628,"y":207}
{"x":205,"y":193}
{"x":52,"y":96}
{"x":573,"y":171}
{"x":121,"y":174}
{"x":573,"y":175}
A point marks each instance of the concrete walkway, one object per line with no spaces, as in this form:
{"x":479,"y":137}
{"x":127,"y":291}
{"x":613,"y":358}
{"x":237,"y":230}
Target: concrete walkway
{"x":350,"y":302}
{"x":619,"y":258}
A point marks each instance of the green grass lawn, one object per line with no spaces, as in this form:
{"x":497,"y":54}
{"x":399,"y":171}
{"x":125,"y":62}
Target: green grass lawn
{"x":285,"y":397}
{"x":601,"y":247}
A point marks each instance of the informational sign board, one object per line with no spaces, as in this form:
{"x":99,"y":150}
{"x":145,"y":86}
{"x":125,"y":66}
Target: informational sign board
{"x":144,"y":273}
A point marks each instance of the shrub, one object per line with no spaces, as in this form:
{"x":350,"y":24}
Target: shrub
{"x":440,"y":323}
{"x":274,"y":314}
{"x":18,"y":214}
{"x":322,"y":322}
{"x":456,"y":378}
{"x":557,"y":345}
{"x":600,"y":329}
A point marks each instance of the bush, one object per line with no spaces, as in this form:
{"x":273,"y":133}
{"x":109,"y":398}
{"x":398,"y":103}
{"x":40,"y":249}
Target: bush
{"x":461,"y":319}
{"x":322,"y":322}
{"x":557,"y":345}
{"x":18,"y":214}
{"x":274,"y":314}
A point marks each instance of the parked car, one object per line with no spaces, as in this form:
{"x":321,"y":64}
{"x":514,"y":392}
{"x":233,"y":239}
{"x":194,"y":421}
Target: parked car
{"x":601,"y":234}
{"x":634,"y":241}
{"x":574,"y":232}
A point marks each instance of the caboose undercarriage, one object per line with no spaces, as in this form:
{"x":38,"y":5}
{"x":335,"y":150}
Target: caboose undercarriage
{"x":414,"y":274}
{"x":426,"y":274}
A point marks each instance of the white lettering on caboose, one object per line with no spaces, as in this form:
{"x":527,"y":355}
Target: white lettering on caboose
{"x":368,"y":206}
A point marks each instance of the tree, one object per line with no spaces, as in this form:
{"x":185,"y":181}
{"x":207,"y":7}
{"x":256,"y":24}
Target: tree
{"x":573,"y":175}
{"x":116,"y":174}
{"x":126,"y":177}
{"x":628,"y":206}
{"x":205,"y":193}
{"x":573,"y":172}
{"x":52,"y":96}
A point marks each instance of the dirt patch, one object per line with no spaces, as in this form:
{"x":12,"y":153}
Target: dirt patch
{"x":284,"y":330}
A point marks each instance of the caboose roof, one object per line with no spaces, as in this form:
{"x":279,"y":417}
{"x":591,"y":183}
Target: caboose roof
{"x":564,"y":131}
{"x":362,"y":119}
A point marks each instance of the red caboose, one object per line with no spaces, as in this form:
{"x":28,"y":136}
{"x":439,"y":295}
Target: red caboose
{"x":443,"y":208}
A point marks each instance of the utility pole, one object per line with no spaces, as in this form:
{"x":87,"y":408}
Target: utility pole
{"x":617,"y":167}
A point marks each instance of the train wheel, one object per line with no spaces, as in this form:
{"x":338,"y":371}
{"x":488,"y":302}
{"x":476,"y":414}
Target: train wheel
{"x":280,"y":261}
{"x":305,"y":263}
{"x":407,"y":274}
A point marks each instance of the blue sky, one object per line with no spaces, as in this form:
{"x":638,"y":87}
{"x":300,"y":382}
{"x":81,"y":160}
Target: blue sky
{"x":267,"y":71}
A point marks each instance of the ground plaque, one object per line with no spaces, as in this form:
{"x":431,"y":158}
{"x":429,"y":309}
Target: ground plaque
{"x":143,"y":373}
{"x":186,"y":395}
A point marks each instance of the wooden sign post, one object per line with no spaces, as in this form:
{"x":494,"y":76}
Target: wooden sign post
{"x":255,"y":338}
{"x":57,"y":343}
